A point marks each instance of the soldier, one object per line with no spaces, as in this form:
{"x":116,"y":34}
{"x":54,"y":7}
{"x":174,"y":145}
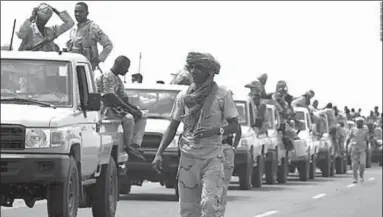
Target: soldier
{"x":84,"y":37}
{"x":359,"y":137}
{"x":304,"y":100}
{"x":36,"y":36}
{"x":202,"y":108}
{"x":259,"y":108}
{"x":332,"y":122}
{"x":133,"y":120}
{"x":282,"y":101}
{"x":229,"y":147}
{"x":263,"y":79}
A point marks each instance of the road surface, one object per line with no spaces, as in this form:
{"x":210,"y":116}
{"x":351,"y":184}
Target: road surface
{"x":330,"y":197}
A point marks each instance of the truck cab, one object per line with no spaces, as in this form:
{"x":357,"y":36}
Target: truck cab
{"x":158,"y":100}
{"x":303,"y":156}
{"x":54,"y":143}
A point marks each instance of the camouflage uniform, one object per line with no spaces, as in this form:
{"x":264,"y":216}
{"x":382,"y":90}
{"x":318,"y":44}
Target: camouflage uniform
{"x":30,"y":35}
{"x":133,"y":132}
{"x":201,"y":169}
{"x":358,"y":138}
{"x":84,"y":39}
{"x":228,"y":166}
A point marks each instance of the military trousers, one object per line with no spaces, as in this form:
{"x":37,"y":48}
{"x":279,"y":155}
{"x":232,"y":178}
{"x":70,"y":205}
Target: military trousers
{"x":133,"y":132}
{"x":358,"y":162}
{"x":228,"y":167}
{"x":200,"y":186}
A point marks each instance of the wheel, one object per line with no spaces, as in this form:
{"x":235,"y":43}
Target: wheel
{"x":283,"y":171}
{"x":326,"y":166}
{"x":339,"y":165}
{"x":124,"y":185}
{"x":245,"y":174}
{"x":271,"y":167}
{"x":313,"y":167}
{"x":304,"y":170}
{"x":105,"y":190}
{"x":170,"y":183}
{"x":257,"y":178}
{"x":63,"y":198}
{"x":380,"y":161}
{"x":332,"y":166}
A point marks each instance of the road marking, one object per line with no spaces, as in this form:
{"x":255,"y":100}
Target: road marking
{"x":351,"y":185}
{"x":319,"y":196}
{"x":371,"y":179}
{"x":267,"y":214}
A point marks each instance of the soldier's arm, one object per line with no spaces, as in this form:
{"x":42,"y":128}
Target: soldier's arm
{"x":109,"y":86}
{"x":104,"y":41}
{"x":176,"y":113}
{"x":68,"y":23}
{"x":238,"y":136}
{"x":24,"y":28}
{"x":231,"y":114}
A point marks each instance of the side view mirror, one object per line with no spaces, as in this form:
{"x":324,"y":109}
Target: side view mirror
{"x":94,"y":102}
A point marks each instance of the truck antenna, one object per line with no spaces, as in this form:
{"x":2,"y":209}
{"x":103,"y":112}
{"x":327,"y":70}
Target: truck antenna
{"x":13,"y":33}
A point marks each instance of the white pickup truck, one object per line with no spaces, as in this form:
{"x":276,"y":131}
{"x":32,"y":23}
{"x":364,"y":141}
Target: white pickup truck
{"x":54,"y":143}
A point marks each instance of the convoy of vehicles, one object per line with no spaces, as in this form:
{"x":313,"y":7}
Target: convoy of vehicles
{"x":54,"y":143}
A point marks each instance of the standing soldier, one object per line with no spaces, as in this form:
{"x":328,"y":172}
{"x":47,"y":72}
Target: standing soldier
{"x":84,"y":37}
{"x":304,"y":100}
{"x":36,"y":36}
{"x":359,"y":137}
{"x":202,"y":108}
{"x":259,"y":109}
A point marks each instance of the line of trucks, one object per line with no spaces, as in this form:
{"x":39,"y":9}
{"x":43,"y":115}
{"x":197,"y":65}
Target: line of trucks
{"x":56,"y":146}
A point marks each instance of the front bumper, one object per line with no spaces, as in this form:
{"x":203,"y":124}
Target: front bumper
{"x":33,"y":168}
{"x":143,"y":170}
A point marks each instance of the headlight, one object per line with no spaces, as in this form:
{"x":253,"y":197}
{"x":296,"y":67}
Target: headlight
{"x":45,"y":138}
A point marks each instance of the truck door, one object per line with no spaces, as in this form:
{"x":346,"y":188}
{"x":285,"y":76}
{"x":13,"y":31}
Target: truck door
{"x":90,"y":139}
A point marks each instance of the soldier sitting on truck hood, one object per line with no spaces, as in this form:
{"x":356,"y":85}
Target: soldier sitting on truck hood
{"x":133,"y":121}
{"x":36,"y":36}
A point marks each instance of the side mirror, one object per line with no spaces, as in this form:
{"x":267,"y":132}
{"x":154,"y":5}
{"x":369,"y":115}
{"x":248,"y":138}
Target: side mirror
{"x":94,"y":102}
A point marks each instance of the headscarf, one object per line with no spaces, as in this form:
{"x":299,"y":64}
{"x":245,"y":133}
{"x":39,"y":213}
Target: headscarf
{"x":44,"y":11}
{"x":255,"y":88}
{"x":263,"y":77}
{"x":195,"y":95}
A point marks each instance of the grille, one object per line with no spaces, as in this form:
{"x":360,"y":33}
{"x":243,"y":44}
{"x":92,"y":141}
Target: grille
{"x":12,"y":137}
{"x":151,"y":140}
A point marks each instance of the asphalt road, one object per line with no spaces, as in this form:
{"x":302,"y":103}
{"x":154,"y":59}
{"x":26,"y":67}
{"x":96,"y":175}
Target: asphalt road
{"x":330,"y":197}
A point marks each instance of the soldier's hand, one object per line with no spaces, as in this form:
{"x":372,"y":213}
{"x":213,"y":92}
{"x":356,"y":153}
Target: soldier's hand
{"x":34,"y":13}
{"x":157,"y":163}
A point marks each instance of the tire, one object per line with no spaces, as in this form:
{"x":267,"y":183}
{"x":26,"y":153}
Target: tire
{"x":124,"y":185}
{"x":326,"y":166}
{"x":63,"y":199}
{"x":332,"y":166}
{"x":246,"y":174}
{"x":105,"y":197}
{"x":345,"y":168}
{"x":271,"y":167}
{"x":339,"y":165}
{"x":257,"y":179}
{"x":283,"y":171}
{"x":304,"y":170}
{"x":313,"y":167}
{"x":170,"y":184}
{"x":380,"y":161}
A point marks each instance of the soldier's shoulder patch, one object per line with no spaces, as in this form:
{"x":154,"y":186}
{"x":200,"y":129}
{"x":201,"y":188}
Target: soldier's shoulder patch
{"x":96,"y":29}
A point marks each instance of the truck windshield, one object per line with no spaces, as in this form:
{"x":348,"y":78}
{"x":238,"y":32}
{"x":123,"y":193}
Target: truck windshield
{"x":159,"y":103}
{"x":242,"y":110}
{"x":43,"y":81}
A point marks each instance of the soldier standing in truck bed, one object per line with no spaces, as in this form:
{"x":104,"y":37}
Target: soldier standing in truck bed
{"x":85,"y":36}
{"x":36,"y":36}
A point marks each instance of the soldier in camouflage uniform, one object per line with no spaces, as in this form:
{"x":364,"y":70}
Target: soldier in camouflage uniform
{"x":259,"y":108}
{"x":359,"y":137}
{"x":133,"y":124}
{"x":85,"y":36}
{"x":36,"y":36}
{"x":202,"y":108}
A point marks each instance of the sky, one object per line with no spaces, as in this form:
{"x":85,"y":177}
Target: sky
{"x":331,"y":47}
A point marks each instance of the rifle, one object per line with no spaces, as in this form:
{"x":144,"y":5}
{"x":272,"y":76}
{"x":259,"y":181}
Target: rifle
{"x":38,"y":46}
{"x":13,"y":33}
{"x":111,"y":100}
